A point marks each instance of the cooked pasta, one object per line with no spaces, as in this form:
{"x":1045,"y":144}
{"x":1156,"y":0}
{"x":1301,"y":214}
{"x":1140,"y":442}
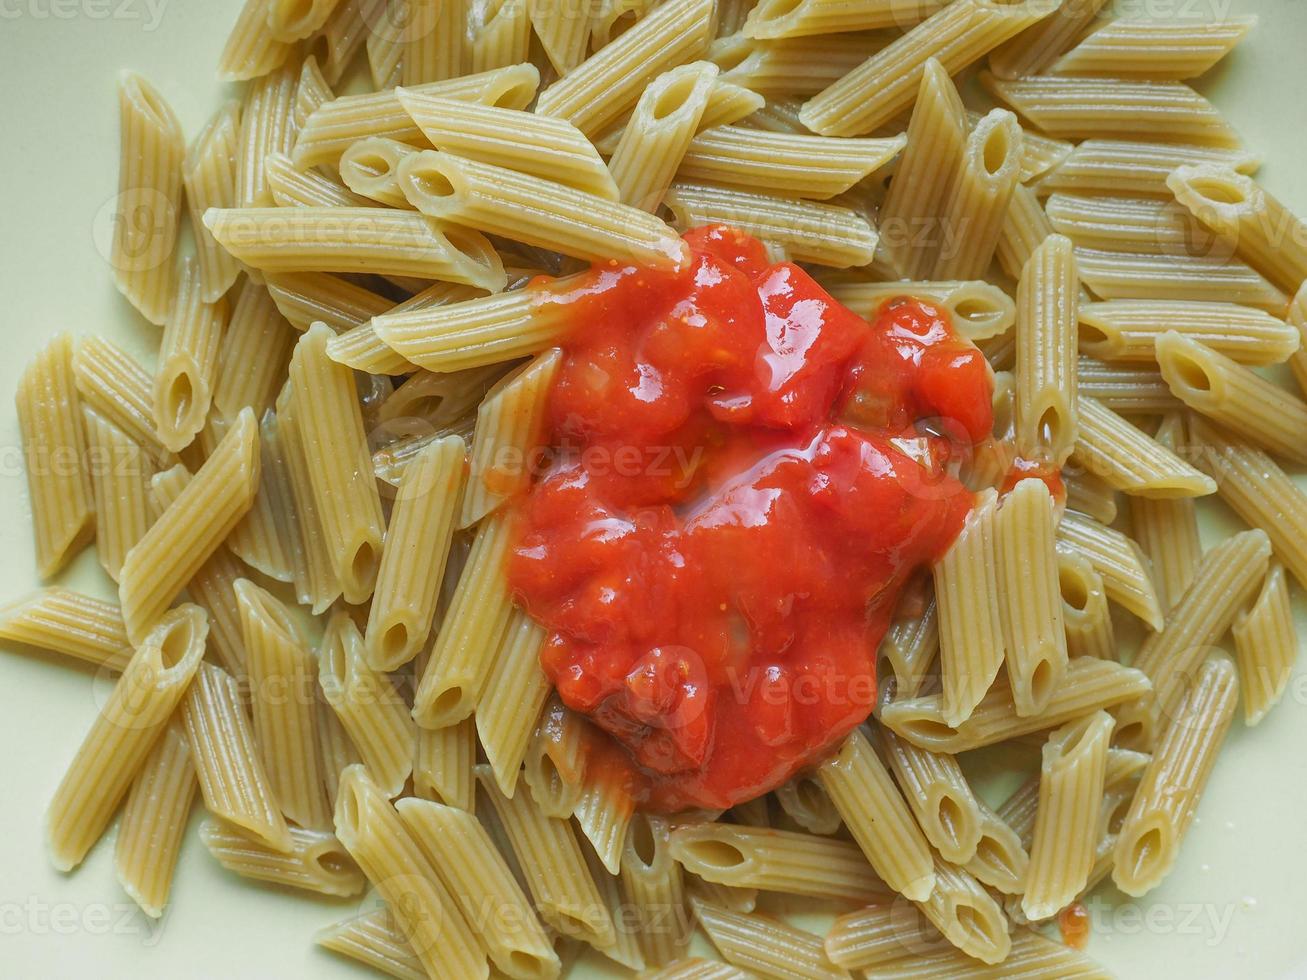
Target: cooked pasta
{"x":1167,"y":530}
{"x":314,"y":862}
{"x":500,"y":34}
{"x":1126,"y":458}
{"x":1127,"y":330}
{"x":977,"y":308}
{"x":251,"y":50}
{"x":940,"y":797}
{"x":1126,"y":388}
{"x":267,"y":126}
{"x":209,"y":178}
{"x":512,"y":701}
{"x":1025,"y":226}
{"x":59,"y":483}
{"x":154,"y":820}
{"x":1036,"y":47}
{"x":788,"y":67}
{"x":765,"y":946}
{"x":653,"y":883}
{"x":432,"y":41}
{"x":773,"y":18}
{"x":120,"y":475}
{"x":910,"y":647}
{"x":1047,"y":404}
{"x":1085,"y":614}
{"x":966,"y":914}
{"x":130,"y":722}
{"x":314,"y":574}
{"x":292,"y":188}
{"x":1125,"y":275}
{"x":602,"y":813}
{"x":374,"y":940}
{"x":368,"y":169}
{"x":76,"y":625}
{"x":188,"y":361}
{"x":305,"y":298}
{"x":555,"y":759}
{"x":443,"y":763}
{"x":1120,"y":562}
{"x":1266,"y":645}
{"x":252,"y":359}
{"x":1000,"y":861}
{"x":1134,"y":167}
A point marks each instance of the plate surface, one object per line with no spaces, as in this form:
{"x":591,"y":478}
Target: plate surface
{"x":1233,"y":906}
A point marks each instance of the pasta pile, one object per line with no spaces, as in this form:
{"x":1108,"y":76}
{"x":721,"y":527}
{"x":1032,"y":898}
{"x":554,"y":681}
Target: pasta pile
{"x":302,"y":502}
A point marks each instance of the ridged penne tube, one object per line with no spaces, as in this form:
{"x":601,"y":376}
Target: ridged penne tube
{"x":910,"y":647}
{"x":525,"y":142}
{"x":776,"y":18}
{"x":253,"y":356}
{"x":1134,"y":167}
{"x":478,"y":615}
{"x":1266,"y":645}
{"x":500,"y":32}
{"x":728,"y":103}
{"x":809,"y":231}
{"x":1261,"y":230}
{"x":292,"y":188}
{"x":267,"y":538}
{"x":1227,"y":580}
{"x":363,"y":349}
{"x":971,"y":643}
{"x":251,"y":50}
{"x":413,"y":557}
{"x":939,"y":795}
{"x":130,"y":722}
{"x":344,"y":489}
{"x":1127,"y":388}
{"x":1120,"y":562}
{"x":59,"y":482}
{"x":1090,"y":495}
{"x":433,"y":41}
{"x":290,"y":21}
{"x":1143,"y":225}
{"x":117,"y":387}
{"x":343,"y":35}
{"x":878,"y":818}
{"x":1110,"y":107}
{"x":536,"y":211}
{"x":882,"y":86}
{"x":154,"y":820}
{"x":461,"y":851}
{"x":332,"y":128}
{"x":368,"y":705}
{"x":662,"y":125}
{"x":966,"y":914}
{"x":1035,"y":48}
{"x":765,"y":946}
{"x":385,"y":43}
{"x":305,"y":298}
{"x":1089,"y":684}
{"x":1019,"y":810}
{"x":1085,"y":614}
{"x":1047,"y":407}
{"x":120,"y":475}
{"x":231,"y":775}
{"x":1126,"y":458}
{"x":743,"y":900}
{"x":1297,"y":318}
{"x":70,"y":623}
{"x":1025,"y":227}
{"x":282,"y":675}
{"x":1167,"y":799}
{"x":373,"y":240}
{"x":314,"y":574}
{"x":547,"y":850}
{"x":442,"y":764}
{"x":607,"y":84}
{"x":191,"y":528}
{"x":603,"y":813}
{"x":1031,"y":599}
{"x":555,"y":759}
{"x":209,"y":177}
{"x":374,"y":940}
{"x":511,"y":703}
{"x":147,"y":210}
{"x":426,"y":914}
{"x":1000,"y":861}
{"x":1167,"y":530}
{"x":188,"y":361}
{"x":334,"y":747}
{"x":315,"y":861}
{"x":792,"y":67}
{"x":510,"y":429}
{"x":874,"y":936}
{"x":807,"y":804}
{"x":1066,"y":820}
{"x":267,"y":126}
{"x":1032,"y":957}
{"x":654,"y":885}
{"x":978,"y":309}
{"x":563,"y":31}
{"x":311,"y":91}
{"x":975,"y":208}
{"x":368,"y":169}
{"x":1234,"y":396}
{"x":798,"y":166}
{"x":1127,"y":330}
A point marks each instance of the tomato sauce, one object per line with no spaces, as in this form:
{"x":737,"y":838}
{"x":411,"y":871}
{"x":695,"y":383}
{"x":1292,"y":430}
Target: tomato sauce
{"x":744,"y":474}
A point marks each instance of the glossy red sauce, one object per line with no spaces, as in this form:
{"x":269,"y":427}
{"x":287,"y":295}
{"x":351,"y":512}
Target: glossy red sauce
{"x":745,"y":474}
{"x":1073,"y":923}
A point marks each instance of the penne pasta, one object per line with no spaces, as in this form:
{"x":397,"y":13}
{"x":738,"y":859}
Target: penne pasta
{"x":1036,"y":47}
{"x":1134,"y":167}
{"x":1127,"y":330}
{"x":603,"y":813}
{"x":1266,"y":645}
{"x":267,"y":126}
{"x":188,"y":361}
{"x":443,"y":762}
{"x":291,"y":188}
{"x":432,"y":41}
{"x":500,"y":34}
{"x":120,"y":474}
{"x":514,"y":696}
{"x":910,"y":647}
{"x":1120,"y":562}
{"x":314,"y":574}
{"x":979,"y":310}
{"x":967,"y":915}
{"x":209,"y":178}
{"x":1048,"y":414}
{"x":368,"y":169}
{"x":76,"y":625}
{"x":764,"y":946}
{"x":799,"y":66}
{"x":374,"y":940}
{"x":314,"y":862}
{"x":654,"y":885}
{"x":1085,"y":614}
{"x":556,"y":759}
{"x":251,"y":51}
{"x":1025,"y":227}
{"x":305,"y":298}
{"x":252,"y":359}
{"x":1167,"y":530}
{"x":311,"y":90}
{"x":773,"y":18}
{"x":1000,"y":861}
{"x":940,"y":797}
{"x":1125,"y":458}
{"x":807,"y":804}
{"x":1126,"y":388}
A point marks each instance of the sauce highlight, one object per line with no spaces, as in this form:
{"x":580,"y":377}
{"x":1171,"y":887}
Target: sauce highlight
{"x":743,"y":476}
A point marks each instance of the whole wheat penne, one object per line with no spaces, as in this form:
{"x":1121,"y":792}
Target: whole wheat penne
{"x":500,"y":34}
{"x":120,"y":474}
{"x":305,"y":298}
{"x":967,"y":915}
{"x":368,"y":705}
{"x":59,"y":481}
{"x":315,"y":860}
{"x":1120,"y":562}
{"x":910,"y":646}
{"x":1126,"y":458}
{"x":335,"y":749}
{"x":1036,"y":47}
{"x":1297,"y":318}
{"x":1066,"y":820}
{"x":791,"y":67}
{"x":773,"y":19}
{"x":1048,"y":422}
{"x":335,"y":126}
{"x":188,"y":361}
{"x":1031,"y":957}
{"x":1127,"y":330}
{"x":1167,"y":799}
{"x":810,"y":231}
{"x":1143,"y":225}
{"x":1089,"y":684}
{"x":555,"y":759}
{"x":1090,"y":495}
{"x":1001,"y":860}
{"x":252,"y":360}
{"x":1122,"y":275}
{"x":154,"y":820}
{"x":251,"y":50}
{"x":1261,"y":230}
{"x":147,"y":210}
{"x":1025,"y":226}
{"x":728,"y":103}
{"x":765,"y":946}
{"x":209,"y":178}
{"x":386,"y":43}
{"x":1126,"y":388}
{"x":130,"y":722}
{"x":1167,"y":530}
{"x":292,"y":188}
{"x":1226,"y":581}
{"x":1266,"y":645}
{"x":974,"y":211}
{"x":1233,"y":396}
{"x":1085,"y":614}
{"x":878,"y":818}
{"x":939,"y":795}
{"x":374,"y":940}
{"x":515,"y":693}
{"x":603,"y":812}
{"x":267,"y":126}
{"x":368,"y":169}
{"x":1134,"y":167}
{"x":427,"y":915}
{"x":563,"y":31}
{"x":70,"y":623}
{"x":653,"y":883}
{"x":877,"y":935}
{"x":806,"y":802}
{"x":607,"y":84}
{"x":311,"y":90}
{"x":882,"y":86}
{"x":191,"y":528}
